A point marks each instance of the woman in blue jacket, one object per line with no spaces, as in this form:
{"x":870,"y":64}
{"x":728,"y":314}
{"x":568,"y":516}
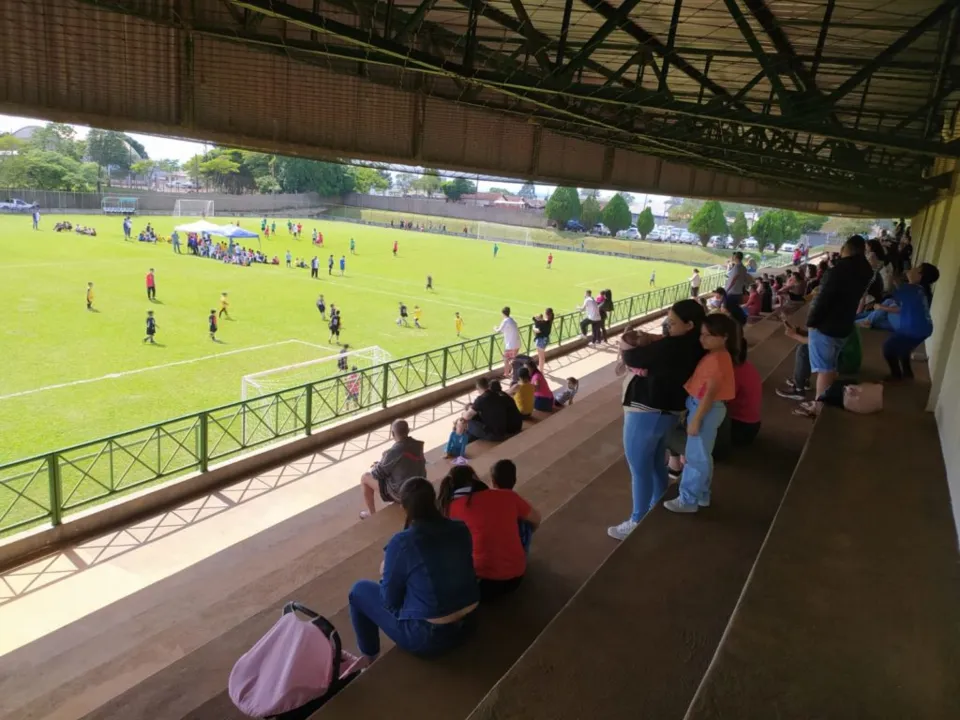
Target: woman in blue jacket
{"x":428,"y":592}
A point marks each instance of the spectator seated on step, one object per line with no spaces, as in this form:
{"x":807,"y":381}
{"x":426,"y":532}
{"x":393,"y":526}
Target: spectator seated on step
{"x":493,"y":415}
{"x":427,"y":594}
{"x":402,"y":461}
{"x":493,"y":517}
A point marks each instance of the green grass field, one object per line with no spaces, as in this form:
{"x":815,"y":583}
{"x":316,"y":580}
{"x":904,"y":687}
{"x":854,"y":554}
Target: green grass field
{"x":71,"y":375}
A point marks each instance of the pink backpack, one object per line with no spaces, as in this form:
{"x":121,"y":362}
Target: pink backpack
{"x":293,"y":669}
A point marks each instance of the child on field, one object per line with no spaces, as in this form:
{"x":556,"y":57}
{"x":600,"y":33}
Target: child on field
{"x":709,"y":388}
{"x":224,"y":304}
{"x":89,"y":296}
{"x":503,"y":474}
{"x":565,"y":395}
{"x":151,"y":328}
{"x":458,"y":323}
{"x":417,"y":314}
{"x":457,"y":443}
{"x":213,"y":325}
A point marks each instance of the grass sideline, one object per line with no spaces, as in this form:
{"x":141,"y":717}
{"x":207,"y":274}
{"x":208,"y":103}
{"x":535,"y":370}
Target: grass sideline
{"x":674,"y":252}
{"x":72,"y":375}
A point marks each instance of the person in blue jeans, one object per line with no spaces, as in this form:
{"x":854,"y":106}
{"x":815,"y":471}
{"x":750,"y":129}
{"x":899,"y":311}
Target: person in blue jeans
{"x":428,"y":592}
{"x":657,"y":368}
{"x":711,"y":386}
{"x":910,"y":318}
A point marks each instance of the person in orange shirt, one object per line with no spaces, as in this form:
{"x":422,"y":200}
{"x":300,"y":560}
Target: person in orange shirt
{"x":709,"y":388}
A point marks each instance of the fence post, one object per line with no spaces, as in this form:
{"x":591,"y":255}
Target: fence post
{"x":493,"y":341}
{"x":560,"y":334}
{"x":308,"y":421}
{"x":443,"y":372}
{"x":202,"y":449}
{"x":386,"y":383}
{"x":630,"y":311}
{"x":56,"y":494}
{"x":529,"y":337}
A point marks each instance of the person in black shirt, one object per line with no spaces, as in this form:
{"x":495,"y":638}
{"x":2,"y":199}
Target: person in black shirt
{"x":151,"y":328}
{"x":653,"y":399}
{"x":493,"y":415}
{"x":542,"y":326}
{"x":334,"y":325}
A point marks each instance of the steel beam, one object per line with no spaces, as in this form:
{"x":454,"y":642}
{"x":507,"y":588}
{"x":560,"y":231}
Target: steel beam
{"x":891,"y":51}
{"x":671,"y":42}
{"x":760,"y":55}
{"x":607,"y":11}
{"x":596,"y":40}
{"x":938,"y":89}
{"x":526,"y":28}
{"x":414,"y":20}
{"x":564,"y":29}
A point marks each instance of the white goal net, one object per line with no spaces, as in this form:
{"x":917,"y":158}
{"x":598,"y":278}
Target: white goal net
{"x":193,"y":208}
{"x":290,"y":376}
{"x":504,"y":233}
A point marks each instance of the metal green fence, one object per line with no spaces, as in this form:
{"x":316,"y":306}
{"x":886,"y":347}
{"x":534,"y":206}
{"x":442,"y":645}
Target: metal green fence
{"x":45,"y":488}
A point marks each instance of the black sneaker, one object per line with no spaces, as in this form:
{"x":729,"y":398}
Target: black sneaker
{"x":791,"y":393}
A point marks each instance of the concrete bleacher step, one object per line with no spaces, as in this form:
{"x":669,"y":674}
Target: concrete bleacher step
{"x":853,"y":606}
{"x":330,"y":568}
{"x":637,"y":638}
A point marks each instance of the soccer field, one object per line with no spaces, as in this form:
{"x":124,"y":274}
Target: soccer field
{"x":72,"y":375}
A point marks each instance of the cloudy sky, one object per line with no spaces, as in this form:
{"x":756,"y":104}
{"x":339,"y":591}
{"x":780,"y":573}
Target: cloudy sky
{"x":159,"y":147}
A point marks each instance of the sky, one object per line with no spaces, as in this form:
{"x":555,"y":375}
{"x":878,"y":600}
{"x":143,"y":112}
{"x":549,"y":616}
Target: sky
{"x":162,"y":148}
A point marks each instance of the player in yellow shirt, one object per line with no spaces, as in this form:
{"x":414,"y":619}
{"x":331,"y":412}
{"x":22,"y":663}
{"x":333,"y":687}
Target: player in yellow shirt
{"x":417,"y":314}
{"x":89,"y":296}
{"x":224,"y":305}
{"x":458,"y":322}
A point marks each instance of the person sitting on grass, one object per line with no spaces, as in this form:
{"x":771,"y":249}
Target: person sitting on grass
{"x":402,"y":461}
{"x":503,"y":474}
{"x":427,"y":594}
{"x":457,"y":442}
{"x":565,"y":396}
{"x":499,"y":558}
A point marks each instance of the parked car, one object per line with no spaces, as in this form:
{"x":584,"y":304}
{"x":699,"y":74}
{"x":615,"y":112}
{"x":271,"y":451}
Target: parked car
{"x":600,"y":229}
{"x":788,"y":247}
{"x":751,"y":243}
{"x":17,"y":205}
{"x":574,"y":226}
{"x":632,"y":233}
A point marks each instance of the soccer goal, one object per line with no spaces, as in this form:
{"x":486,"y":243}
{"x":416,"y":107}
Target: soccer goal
{"x":193,"y":208}
{"x":494,"y":232}
{"x":290,"y":376}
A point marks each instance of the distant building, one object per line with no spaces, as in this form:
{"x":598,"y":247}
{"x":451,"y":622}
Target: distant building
{"x":502,"y":200}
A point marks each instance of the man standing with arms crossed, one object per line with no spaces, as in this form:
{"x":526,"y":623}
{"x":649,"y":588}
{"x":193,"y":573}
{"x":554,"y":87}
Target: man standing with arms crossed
{"x":738,"y":280}
{"x":511,"y":340}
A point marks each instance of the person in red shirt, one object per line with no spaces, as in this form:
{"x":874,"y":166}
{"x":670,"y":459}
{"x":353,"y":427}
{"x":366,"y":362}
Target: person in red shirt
{"x":151,"y":286}
{"x":499,"y":558}
{"x":395,"y":245}
{"x":754,"y":302}
{"x":549,"y":261}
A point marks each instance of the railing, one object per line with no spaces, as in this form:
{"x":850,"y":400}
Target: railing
{"x":46,"y":488}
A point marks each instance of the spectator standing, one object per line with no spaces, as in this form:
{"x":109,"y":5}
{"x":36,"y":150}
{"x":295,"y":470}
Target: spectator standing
{"x":511,"y":339}
{"x":591,"y":312}
{"x":738,"y":280}
{"x":36,"y":219}
{"x":315,"y":267}
{"x":653,"y":399}
{"x":428,"y":591}
{"x":402,"y":461}
{"x":695,"y":281}
{"x":175,"y":240}
{"x":542,"y":327}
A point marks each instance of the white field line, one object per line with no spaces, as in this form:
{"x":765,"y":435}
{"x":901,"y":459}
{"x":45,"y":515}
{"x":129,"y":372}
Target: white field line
{"x":138,"y":371}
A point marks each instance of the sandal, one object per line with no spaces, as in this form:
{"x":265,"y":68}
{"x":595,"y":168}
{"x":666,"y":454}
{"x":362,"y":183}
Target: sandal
{"x":807,"y":409}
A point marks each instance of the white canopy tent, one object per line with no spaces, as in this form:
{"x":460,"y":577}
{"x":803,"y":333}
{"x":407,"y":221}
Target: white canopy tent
{"x":200,"y":226}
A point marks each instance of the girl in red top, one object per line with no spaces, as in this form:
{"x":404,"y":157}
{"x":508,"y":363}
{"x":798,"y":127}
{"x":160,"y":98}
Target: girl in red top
{"x":499,"y":559}
{"x":754,"y":303}
{"x":711,"y":385}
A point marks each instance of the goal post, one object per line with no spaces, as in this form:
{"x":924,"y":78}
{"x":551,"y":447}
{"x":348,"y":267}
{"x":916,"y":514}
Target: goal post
{"x":290,"y":376}
{"x":193,"y":208}
{"x":494,"y":232}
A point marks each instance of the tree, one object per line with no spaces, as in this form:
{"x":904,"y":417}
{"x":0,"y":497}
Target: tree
{"x":776,"y":227}
{"x":616,"y":214}
{"x":528,"y":191}
{"x":739,"y":229}
{"x":684,"y":210}
{"x":368,"y":179}
{"x":589,"y":192}
{"x":143,"y":168}
{"x":429,"y":183}
{"x":810,"y":223}
{"x":387,"y":177}
{"x":268,"y":184}
{"x":405,"y":182}
{"x":170,"y":166}
{"x":218,"y":169}
{"x":458,"y":187}
{"x":135,"y":144}
{"x":108,"y":149}
{"x":59,"y":138}
{"x":298,"y":175}
{"x":501,"y":190}
{"x":563,"y":205}
{"x":708,"y":221}
{"x":627,"y":198}
{"x":590,"y":212}
{"x":645,"y":223}
{"x":192,"y":168}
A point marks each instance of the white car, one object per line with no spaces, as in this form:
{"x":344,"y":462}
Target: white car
{"x":630,"y":233}
{"x":788,"y":247}
{"x":600,"y":229}
{"x":751,"y":244}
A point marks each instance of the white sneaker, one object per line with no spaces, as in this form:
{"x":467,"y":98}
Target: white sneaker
{"x":620,"y":532}
{"x":678,"y":507}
